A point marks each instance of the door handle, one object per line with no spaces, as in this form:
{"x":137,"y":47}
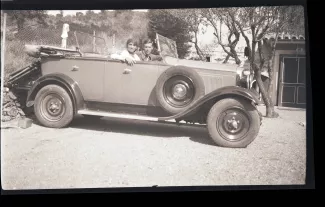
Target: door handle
{"x":127,"y":71}
{"x":75,"y":68}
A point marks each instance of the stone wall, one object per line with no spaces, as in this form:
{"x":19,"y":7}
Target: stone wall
{"x":11,"y":108}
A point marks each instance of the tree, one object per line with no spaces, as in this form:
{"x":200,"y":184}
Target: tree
{"x":210,"y":48}
{"x":21,"y":16}
{"x":194,"y":20}
{"x":122,"y":23}
{"x":261,"y":21}
{"x":79,"y":14}
{"x":218,"y":17}
{"x":289,"y":20}
{"x":166,"y":24}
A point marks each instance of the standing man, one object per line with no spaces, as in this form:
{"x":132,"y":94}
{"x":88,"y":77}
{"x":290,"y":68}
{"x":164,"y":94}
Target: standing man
{"x":146,"y":53}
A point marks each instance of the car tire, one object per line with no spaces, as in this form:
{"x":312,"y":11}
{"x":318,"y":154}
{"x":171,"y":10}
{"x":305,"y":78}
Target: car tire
{"x":233,"y":123}
{"x":53,"y":107}
{"x":187,"y":81}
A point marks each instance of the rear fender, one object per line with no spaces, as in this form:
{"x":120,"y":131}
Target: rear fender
{"x":228,"y":91}
{"x":59,"y":79}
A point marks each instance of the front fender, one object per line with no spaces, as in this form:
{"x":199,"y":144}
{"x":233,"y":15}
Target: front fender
{"x":228,"y":91}
{"x":62,"y":80}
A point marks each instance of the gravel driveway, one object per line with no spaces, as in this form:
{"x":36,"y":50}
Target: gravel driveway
{"x":127,"y":153}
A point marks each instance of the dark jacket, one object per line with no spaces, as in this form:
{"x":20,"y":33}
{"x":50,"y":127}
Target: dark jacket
{"x":150,"y":57}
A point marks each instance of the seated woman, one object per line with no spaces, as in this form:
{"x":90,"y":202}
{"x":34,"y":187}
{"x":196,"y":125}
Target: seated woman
{"x":129,"y":55}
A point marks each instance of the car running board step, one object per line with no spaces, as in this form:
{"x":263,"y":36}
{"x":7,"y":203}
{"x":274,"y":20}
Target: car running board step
{"x":118,"y":115}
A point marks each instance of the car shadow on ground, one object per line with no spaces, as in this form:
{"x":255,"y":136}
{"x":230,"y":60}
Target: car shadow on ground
{"x":195,"y":133}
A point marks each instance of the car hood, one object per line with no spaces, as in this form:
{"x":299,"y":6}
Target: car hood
{"x":201,"y":64}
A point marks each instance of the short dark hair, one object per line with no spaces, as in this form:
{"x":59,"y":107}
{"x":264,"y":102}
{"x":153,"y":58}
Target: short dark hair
{"x":131,"y":40}
{"x":147,"y":41}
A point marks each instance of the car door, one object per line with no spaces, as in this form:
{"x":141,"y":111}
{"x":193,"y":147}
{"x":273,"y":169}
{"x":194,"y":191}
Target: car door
{"x":112,"y":81}
{"x":87,"y":72}
{"x":127,"y":84}
{"x":139,"y":82}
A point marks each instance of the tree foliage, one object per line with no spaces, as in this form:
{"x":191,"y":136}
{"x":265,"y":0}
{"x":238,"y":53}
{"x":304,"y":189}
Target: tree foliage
{"x":19,"y":17}
{"x":194,"y":21}
{"x":259,"y":22}
{"x":172,"y":27}
{"x":39,"y":27}
{"x":216,"y":18}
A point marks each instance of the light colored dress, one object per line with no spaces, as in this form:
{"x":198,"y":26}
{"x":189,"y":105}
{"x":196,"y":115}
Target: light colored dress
{"x":124,"y":55}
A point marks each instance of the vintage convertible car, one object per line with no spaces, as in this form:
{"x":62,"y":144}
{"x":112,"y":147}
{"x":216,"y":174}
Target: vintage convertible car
{"x":64,"y":82}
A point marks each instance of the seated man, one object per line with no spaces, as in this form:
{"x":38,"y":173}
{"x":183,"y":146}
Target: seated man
{"x":146,"y":53}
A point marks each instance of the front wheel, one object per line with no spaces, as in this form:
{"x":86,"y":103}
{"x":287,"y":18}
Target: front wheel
{"x":233,"y":123}
{"x":53,"y":106}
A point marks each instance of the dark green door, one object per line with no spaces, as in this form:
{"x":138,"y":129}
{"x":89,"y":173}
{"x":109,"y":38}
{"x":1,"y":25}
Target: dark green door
{"x":293,"y":82}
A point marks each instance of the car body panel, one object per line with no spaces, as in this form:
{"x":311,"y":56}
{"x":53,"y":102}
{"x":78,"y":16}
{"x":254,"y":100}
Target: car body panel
{"x":61,"y":79}
{"x":200,"y":64}
{"x":224,"y":91}
{"x":127,"y":84}
{"x":104,"y":80}
{"x":97,"y":82}
{"x":214,"y":75}
{"x":89,"y":75}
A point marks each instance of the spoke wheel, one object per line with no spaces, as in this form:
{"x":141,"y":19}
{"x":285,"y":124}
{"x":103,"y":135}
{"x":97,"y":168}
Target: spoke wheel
{"x":233,"y":122}
{"x":53,"y":106}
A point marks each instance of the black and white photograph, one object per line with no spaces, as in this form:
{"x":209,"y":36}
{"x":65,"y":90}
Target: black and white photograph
{"x":153,"y":97}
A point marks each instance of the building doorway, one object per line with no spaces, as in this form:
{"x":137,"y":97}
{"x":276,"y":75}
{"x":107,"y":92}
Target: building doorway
{"x":292,"y":82}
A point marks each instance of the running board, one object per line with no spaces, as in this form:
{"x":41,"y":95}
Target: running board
{"x":117,"y":115}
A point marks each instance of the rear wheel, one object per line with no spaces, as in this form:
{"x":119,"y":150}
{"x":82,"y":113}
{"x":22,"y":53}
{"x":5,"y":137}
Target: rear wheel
{"x":53,"y":107}
{"x":233,"y":123}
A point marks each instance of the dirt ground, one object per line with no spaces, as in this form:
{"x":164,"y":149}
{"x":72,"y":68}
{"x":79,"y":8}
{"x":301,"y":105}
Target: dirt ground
{"x":127,"y":153}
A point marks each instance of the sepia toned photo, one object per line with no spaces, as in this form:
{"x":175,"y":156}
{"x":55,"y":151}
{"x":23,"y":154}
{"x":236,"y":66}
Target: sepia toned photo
{"x":153,"y":97}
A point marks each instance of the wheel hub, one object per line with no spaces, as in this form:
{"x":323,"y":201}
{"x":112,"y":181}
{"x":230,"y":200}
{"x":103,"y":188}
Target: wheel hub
{"x":233,"y":124}
{"x":179,"y":91}
{"x":52,"y":107}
